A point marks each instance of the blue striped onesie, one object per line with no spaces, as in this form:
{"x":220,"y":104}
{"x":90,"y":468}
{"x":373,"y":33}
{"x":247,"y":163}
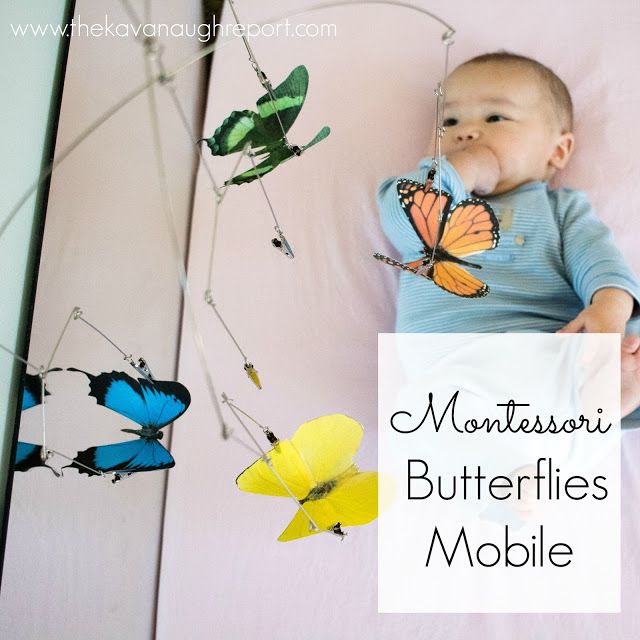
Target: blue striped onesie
{"x":553,"y":255}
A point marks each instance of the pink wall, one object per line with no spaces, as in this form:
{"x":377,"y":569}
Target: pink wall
{"x":82,"y":554}
{"x":310,"y":325}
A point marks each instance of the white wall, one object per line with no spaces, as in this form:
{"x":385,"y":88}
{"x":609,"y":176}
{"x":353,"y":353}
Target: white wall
{"x":82,"y":554}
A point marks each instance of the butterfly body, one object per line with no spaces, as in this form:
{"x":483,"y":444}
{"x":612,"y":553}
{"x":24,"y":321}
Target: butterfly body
{"x":265,"y":131}
{"x":320,"y":491}
{"x":150,"y":433}
{"x":468,"y":228}
{"x":441,"y":255}
{"x":152,"y":404}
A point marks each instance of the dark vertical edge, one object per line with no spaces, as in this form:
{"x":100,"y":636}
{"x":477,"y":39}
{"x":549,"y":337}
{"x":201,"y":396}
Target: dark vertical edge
{"x":33,"y":262}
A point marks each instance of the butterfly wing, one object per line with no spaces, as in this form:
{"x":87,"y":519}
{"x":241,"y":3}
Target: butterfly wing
{"x":320,"y":453}
{"x":354,"y":501}
{"x":150,"y":404}
{"x":454,"y":279}
{"x":32,"y":392}
{"x":327,"y":445}
{"x":320,"y":450}
{"x":416,"y":267}
{"x":288,"y":464}
{"x":472,"y":227}
{"x":28,"y":456}
{"x":132,"y":456}
{"x":422,"y":207}
{"x":288,"y":98}
{"x":277,"y":153}
{"x":262,"y":129}
{"x":447,"y":275}
{"x":236,"y":130}
{"x":319,"y":137}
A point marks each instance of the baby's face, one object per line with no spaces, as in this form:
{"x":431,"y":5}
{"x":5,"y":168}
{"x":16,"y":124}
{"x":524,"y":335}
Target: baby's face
{"x":503,"y":107}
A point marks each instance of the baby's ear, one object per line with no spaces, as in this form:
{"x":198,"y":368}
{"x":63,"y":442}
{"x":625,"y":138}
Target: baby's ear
{"x":562,"y":151}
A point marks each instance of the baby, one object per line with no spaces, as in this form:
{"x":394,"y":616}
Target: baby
{"x":508,"y":128}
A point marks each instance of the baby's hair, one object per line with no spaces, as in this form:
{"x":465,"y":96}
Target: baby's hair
{"x":560,"y":96}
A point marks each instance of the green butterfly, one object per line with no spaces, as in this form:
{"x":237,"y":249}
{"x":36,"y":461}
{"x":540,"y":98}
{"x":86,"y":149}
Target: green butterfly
{"x":263,"y":131}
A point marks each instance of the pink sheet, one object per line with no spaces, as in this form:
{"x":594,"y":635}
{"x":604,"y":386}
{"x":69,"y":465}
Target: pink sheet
{"x":310,"y":325}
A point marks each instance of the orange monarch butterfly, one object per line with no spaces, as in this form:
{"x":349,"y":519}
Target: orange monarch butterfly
{"x":470,"y":227}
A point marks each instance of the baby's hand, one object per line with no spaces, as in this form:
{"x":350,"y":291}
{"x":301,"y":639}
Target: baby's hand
{"x":478,"y":168}
{"x":608,"y":312}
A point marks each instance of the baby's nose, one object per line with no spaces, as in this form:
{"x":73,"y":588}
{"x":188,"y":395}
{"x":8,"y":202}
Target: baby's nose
{"x":467,"y":135}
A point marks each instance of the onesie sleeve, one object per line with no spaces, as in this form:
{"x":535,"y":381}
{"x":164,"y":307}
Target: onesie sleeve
{"x":591,"y":257}
{"x":393,"y":218}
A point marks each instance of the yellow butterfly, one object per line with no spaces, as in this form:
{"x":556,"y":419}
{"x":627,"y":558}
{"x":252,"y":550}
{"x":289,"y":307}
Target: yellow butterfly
{"x":317,"y":467}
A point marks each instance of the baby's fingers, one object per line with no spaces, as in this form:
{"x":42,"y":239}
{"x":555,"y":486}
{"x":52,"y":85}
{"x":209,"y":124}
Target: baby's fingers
{"x":631,"y":344}
{"x":575,"y":326}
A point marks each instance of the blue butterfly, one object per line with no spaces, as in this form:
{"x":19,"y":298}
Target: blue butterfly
{"x":29,"y":455}
{"x":152,"y":404}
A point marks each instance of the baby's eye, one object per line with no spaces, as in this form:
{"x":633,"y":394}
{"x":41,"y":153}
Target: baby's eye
{"x":449,"y":122}
{"x":495,"y":118}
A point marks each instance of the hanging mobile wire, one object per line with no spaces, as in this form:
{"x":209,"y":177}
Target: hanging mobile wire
{"x":165,"y":78}
{"x":47,"y":453}
{"x":139,"y":364}
{"x":280,"y":242}
{"x":425,"y":268}
{"x":250,"y":370}
{"x":42,"y":371}
{"x":208,"y":294}
{"x":154,"y":52}
{"x":262,"y":77}
{"x":441,"y":93}
{"x":269,"y":435}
